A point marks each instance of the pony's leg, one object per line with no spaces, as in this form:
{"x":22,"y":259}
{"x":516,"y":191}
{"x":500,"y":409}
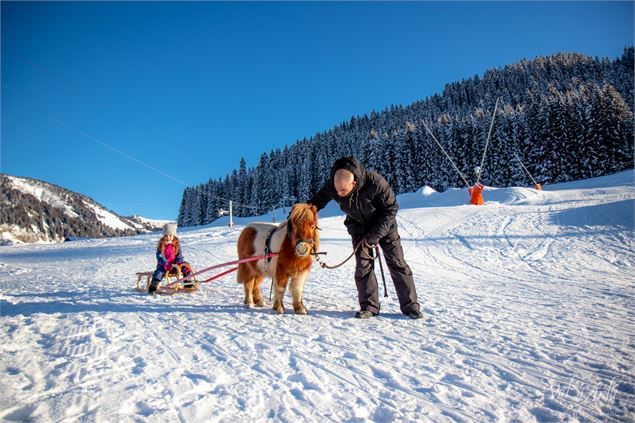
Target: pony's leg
{"x":244,"y":277}
{"x":256,"y":294}
{"x":249,"y":287}
{"x":279,"y":287}
{"x":297,"y":286}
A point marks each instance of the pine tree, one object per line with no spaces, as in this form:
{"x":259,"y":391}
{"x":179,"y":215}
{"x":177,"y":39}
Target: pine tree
{"x":520,"y":143}
{"x":619,"y":127}
{"x":181,"y":220}
{"x":240,"y":188}
{"x":196,"y":216}
{"x":305,"y":190}
{"x":409,"y":158}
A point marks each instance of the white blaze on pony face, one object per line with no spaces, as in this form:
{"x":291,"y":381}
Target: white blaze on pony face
{"x":344,"y":182}
{"x":303,"y":249}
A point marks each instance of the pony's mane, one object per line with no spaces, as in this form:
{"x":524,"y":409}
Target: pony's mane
{"x":302,"y":213}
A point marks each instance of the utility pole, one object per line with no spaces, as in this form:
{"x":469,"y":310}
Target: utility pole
{"x":231,"y":214}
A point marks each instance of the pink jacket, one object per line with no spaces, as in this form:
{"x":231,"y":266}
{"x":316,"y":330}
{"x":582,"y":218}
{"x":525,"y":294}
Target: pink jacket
{"x":170,"y":256}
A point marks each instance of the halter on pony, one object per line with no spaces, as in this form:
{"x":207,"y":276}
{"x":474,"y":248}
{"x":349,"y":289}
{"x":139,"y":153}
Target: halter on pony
{"x":308,"y":244}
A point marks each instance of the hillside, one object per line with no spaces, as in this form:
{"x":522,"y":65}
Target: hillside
{"x":528,"y":305}
{"x":36,"y":211}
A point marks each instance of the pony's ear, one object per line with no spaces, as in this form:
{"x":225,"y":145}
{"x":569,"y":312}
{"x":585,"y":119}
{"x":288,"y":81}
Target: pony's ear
{"x":313,"y":209}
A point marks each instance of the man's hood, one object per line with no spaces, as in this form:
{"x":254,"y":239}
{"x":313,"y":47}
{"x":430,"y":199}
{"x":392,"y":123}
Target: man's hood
{"x":352,"y":165}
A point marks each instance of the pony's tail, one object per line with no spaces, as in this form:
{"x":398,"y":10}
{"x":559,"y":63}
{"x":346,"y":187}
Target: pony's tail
{"x":242,"y":274}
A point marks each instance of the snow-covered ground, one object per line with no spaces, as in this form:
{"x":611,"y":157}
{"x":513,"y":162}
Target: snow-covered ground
{"x":529,"y":315}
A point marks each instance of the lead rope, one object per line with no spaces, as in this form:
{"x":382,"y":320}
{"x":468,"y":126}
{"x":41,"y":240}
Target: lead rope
{"x":326,"y":266}
{"x":362,"y":242}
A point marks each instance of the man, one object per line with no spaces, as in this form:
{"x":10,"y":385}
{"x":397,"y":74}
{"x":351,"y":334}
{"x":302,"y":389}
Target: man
{"x":371,"y":211}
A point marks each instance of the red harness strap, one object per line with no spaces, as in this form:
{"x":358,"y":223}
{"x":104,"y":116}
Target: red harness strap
{"x":229,"y":263}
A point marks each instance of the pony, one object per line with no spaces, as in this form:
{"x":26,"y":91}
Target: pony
{"x":295,"y":240}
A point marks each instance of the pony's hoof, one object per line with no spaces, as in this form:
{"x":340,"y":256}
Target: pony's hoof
{"x":249,"y":305}
{"x":301,"y":310}
{"x":260,"y":304}
{"x":279,"y":310}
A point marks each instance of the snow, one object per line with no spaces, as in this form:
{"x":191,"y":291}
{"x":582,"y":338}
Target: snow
{"x":427,"y":191}
{"x":528,"y":304}
{"x":145,"y":220}
{"x":14,"y":234}
{"x":107,"y":218}
{"x":38,"y":191}
{"x":152,"y":221}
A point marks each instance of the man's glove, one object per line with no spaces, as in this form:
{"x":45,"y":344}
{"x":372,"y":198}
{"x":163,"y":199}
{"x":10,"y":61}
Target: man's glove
{"x":371,"y":241}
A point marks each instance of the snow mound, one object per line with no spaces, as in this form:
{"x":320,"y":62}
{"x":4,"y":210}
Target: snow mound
{"x":426,"y":191}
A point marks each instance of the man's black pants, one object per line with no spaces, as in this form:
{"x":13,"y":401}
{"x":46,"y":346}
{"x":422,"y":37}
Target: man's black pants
{"x":366,"y":280}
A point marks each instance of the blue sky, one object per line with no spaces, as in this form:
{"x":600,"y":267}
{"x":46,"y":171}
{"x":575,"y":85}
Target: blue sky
{"x":124,"y":102}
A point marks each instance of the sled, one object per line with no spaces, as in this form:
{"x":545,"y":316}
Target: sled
{"x":190,"y":282}
{"x":167,"y":286}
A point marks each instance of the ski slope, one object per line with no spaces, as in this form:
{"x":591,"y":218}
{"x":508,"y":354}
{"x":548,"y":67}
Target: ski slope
{"x":528,"y":303}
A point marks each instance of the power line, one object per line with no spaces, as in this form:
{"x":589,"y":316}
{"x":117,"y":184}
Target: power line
{"x":141,"y":162}
{"x":110,"y":147}
{"x":103,"y":144}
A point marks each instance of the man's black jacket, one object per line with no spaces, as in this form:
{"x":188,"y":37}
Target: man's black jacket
{"x":371,"y":208}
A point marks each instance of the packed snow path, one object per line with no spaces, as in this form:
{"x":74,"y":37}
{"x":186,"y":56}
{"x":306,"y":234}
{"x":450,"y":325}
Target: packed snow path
{"x":528,"y":303}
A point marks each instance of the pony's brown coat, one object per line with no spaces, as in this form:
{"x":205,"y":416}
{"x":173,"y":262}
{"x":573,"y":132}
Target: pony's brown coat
{"x":289,"y":264}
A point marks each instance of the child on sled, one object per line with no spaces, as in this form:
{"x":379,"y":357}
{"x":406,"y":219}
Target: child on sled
{"x":168,"y":253}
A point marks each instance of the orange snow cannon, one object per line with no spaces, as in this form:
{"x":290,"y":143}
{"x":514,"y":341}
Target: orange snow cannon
{"x":476,"y":195}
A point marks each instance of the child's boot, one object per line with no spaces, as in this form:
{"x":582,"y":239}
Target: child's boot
{"x":154,"y":284}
